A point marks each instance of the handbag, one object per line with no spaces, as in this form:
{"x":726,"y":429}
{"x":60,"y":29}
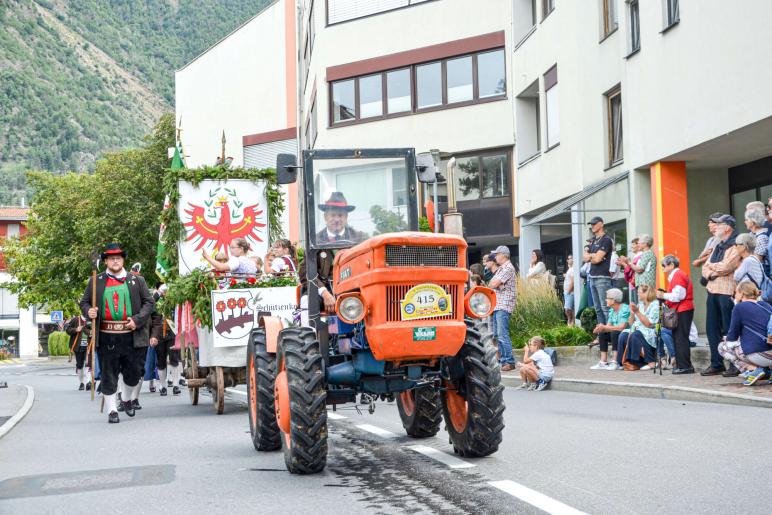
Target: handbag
{"x":669,"y":317}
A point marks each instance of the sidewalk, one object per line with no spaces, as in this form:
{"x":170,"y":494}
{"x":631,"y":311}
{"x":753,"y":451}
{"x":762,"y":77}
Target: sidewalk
{"x":691,"y":387}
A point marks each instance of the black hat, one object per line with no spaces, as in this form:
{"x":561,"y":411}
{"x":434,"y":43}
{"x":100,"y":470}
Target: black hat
{"x":728,"y":220}
{"x":112,"y":249}
{"x":336,"y":201}
{"x":594,"y":220}
{"x":716,"y":217}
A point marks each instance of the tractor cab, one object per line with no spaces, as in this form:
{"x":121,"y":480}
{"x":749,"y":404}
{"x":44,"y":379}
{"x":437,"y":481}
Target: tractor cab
{"x":388,"y":315}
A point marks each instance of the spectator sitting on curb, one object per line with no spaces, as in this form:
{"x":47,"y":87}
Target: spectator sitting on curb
{"x":537,"y":369}
{"x":711,"y":242}
{"x":618,"y":315}
{"x":638,"y":348}
{"x":747,"y":343}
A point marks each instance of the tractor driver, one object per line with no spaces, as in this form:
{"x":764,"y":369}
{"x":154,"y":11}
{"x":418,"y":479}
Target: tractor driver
{"x":336,"y":211}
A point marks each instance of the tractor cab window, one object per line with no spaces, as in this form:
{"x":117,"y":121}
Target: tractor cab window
{"x":355,"y":199}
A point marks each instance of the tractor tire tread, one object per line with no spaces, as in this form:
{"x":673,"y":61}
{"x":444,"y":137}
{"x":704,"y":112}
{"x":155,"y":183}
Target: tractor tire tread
{"x":265,"y":433}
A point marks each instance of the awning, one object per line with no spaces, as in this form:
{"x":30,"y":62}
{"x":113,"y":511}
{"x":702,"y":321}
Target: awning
{"x":566,"y":205}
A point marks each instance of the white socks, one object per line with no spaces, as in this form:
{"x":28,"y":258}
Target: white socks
{"x":162,"y":377}
{"x":110,"y":403}
{"x":126,"y":392}
{"x":87,"y":374}
{"x":80,"y":375}
{"x":136,"y":390}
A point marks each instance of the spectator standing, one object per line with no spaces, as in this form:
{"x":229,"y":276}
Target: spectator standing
{"x":646,"y":267}
{"x":490,"y":265}
{"x":747,"y":343}
{"x":503,"y":283}
{"x":750,"y":268}
{"x":537,"y":368}
{"x":568,"y":291}
{"x":477,"y":269}
{"x":679,"y":296}
{"x":640,"y":344}
{"x":537,"y":268}
{"x":629,"y":273}
{"x":711,"y":242}
{"x":598,"y":254}
{"x":754,"y":221}
{"x":717,"y":275}
{"x":608,"y":333}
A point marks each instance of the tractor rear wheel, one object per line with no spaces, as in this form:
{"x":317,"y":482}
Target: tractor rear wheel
{"x":421,"y":411}
{"x":301,"y":401}
{"x":261,"y":375}
{"x":474,"y":406}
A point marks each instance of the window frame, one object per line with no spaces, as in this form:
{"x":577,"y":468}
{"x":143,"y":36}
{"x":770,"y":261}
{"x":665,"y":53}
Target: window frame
{"x":610,"y":96}
{"x":479,"y":156}
{"x":547,"y":88}
{"x":634,"y":6}
{"x":414,"y":109}
{"x":672,"y":14}
{"x":547,"y":7}
{"x":364,"y":16}
{"x":609,"y":19}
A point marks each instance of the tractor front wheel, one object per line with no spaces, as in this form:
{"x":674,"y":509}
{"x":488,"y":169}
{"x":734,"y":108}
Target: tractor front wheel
{"x":261,"y":374}
{"x":474,"y":406}
{"x":300,"y":400}
{"x":421,"y":411}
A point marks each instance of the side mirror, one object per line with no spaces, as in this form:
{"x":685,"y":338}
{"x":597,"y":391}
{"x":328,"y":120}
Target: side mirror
{"x":425,"y":168}
{"x":286,"y":168}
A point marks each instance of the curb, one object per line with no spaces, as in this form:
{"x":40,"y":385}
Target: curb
{"x":648,"y":391}
{"x":11,"y":422}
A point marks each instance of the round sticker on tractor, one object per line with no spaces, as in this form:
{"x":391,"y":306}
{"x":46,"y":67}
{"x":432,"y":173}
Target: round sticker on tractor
{"x":426,"y":301}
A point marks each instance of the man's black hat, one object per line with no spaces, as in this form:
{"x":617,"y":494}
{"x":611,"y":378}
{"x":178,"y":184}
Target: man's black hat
{"x":594,"y":220}
{"x":113,"y":249}
{"x":336,"y":202}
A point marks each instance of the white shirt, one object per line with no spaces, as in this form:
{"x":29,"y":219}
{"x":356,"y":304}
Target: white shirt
{"x":543,"y":362}
{"x":679,"y":292}
{"x":568,"y":279}
{"x":242,"y":265}
{"x":279,"y":264}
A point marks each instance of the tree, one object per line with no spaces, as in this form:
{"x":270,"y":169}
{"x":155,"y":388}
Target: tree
{"x":75,"y":215}
{"x":386,"y":221}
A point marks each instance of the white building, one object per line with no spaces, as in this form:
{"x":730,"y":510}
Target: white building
{"x":423,"y":74}
{"x":244,"y":87}
{"x":651,"y":114}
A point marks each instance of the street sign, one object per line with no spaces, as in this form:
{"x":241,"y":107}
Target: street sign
{"x":57,"y":316}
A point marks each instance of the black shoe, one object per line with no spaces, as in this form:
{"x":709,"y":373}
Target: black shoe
{"x":120,"y":406}
{"x":176,"y":390}
{"x":99,"y":387}
{"x":152,"y":389}
{"x":88,"y":387}
{"x":112,"y":418}
{"x":731,"y":372}
{"x":169,"y":384}
{"x":710,"y":371}
{"x":163,"y":391}
{"x":683,"y":371}
{"x":135,"y":404}
{"x":183,"y":382}
{"x":128,"y":407}
{"x":81,"y":387}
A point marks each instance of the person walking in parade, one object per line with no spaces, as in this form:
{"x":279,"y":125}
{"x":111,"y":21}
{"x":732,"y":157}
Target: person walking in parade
{"x":79,"y":333}
{"x":121,"y":317}
{"x":162,"y":339}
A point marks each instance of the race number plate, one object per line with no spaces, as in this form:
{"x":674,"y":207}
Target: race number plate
{"x":425,"y":301}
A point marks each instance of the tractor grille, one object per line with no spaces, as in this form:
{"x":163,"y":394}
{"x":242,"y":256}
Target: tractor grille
{"x":396,"y":292}
{"x":421,"y":255}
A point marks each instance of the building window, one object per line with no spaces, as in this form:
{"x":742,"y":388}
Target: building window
{"x":428,"y":85}
{"x":547,"y":6}
{"x":551,"y":104}
{"x":371,"y":96}
{"x":524,"y":19}
{"x":527,"y":118}
{"x":672,"y":14}
{"x":398,"y":91}
{"x":460,"y":82}
{"x":399,"y":186}
{"x":608,"y":17}
{"x":635,"y":26}
{"x":339,"y":11}
{"x":614,"y":121}
{"x":343,"y":101}
{"x":453,"y":81}
{"x":482,"y":176}
{"x":310,"y":132}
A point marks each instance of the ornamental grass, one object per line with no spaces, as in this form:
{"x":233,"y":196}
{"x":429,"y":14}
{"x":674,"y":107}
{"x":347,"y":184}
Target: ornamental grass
{"x":537,"y":310}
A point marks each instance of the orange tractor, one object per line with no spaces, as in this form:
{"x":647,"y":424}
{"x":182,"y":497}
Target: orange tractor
{"x":386,"y":313}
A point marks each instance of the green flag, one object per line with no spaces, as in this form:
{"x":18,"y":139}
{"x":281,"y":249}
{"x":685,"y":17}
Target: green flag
{"x":161,"y":264}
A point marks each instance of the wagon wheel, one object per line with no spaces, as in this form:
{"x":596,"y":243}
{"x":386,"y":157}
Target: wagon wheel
{"x":193,"y":374}
{"x":218,"y":392}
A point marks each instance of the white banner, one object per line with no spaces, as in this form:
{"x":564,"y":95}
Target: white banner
{"x":215,"y":213}
{"x":236,"y":312}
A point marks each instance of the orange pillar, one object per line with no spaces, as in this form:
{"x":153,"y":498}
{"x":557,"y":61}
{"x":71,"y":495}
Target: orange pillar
{"x":670,"y":208}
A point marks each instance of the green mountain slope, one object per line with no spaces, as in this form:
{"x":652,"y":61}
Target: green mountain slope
{"x":79,"y":77}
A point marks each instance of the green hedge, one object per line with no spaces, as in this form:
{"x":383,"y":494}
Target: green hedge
{"x":58,"y":344}
{"x":565,"y":336}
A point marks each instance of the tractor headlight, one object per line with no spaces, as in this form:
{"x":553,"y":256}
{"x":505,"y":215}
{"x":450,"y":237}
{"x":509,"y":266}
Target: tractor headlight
{"x":479,"y":302}
{"x":351,"y":309}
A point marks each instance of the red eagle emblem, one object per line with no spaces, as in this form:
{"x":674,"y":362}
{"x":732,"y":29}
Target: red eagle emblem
{"x":225,"y":230}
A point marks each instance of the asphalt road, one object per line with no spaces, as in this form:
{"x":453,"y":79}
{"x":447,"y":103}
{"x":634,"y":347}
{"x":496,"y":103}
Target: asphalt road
{"x":561,"y":452}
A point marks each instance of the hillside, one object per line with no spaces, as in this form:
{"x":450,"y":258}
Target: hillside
{"x":79,"y":77}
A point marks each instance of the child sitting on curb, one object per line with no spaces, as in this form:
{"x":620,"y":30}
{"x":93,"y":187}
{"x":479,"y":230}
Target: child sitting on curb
{"x":536,"y":370}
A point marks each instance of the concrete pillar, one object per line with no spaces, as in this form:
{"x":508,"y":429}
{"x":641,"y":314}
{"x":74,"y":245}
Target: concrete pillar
{"x":577,"y":250}
{"x":530,"y":239}
{"x":670,"y":210}
{"x":28,"y":334}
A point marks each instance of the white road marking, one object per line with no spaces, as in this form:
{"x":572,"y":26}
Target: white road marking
{"x":535,"y":498}
{"x":334,"y":416}
{"x":444,"y":458}
{"x":11,"y":422}
{"x":376,"y":431}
